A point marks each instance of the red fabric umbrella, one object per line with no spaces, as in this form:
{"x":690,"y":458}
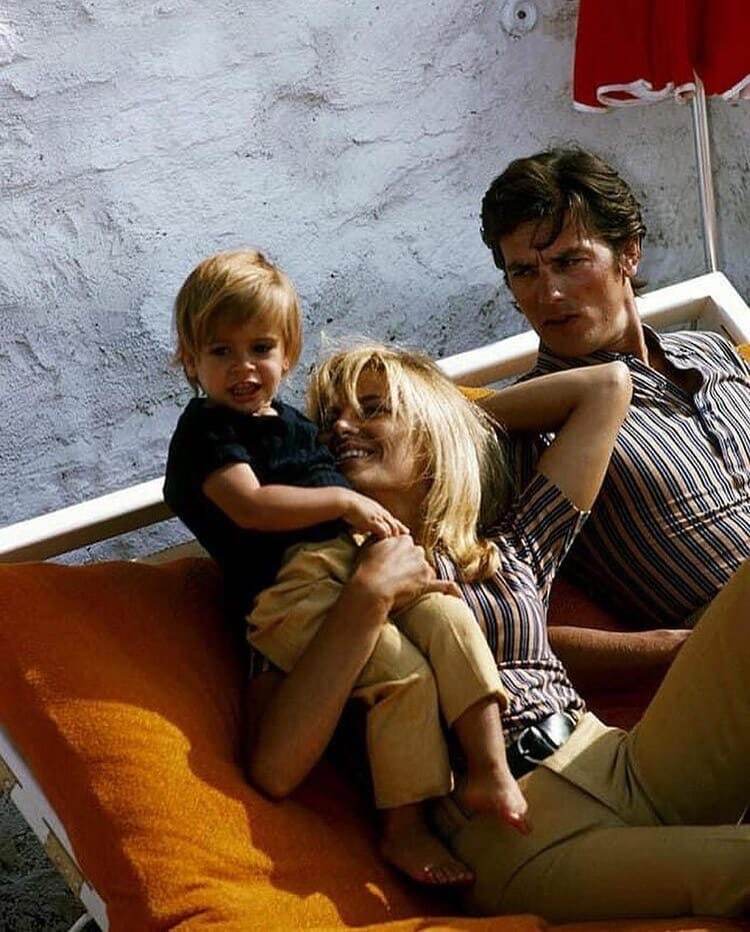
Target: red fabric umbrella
{"x":640,"y":51}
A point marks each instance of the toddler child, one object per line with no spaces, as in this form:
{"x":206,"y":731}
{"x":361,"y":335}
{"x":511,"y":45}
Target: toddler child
{"x":249,"y":477}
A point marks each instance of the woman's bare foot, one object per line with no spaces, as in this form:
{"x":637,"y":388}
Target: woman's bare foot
{"x":496,"y":792}
{"x":409,"y":845}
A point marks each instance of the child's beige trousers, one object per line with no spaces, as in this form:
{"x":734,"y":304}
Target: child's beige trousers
{"x":430,"y":658}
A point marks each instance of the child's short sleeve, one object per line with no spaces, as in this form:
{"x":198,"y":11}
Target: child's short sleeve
{"x":215,"y":446}
{"x":203,"y":442}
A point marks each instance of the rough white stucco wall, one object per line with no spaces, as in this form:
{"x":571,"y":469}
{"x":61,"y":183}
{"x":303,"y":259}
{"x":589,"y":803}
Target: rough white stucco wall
{"x":353,"y":141}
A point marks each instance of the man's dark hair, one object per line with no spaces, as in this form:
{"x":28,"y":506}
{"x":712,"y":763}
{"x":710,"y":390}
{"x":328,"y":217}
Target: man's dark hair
{"x":551,"y":187}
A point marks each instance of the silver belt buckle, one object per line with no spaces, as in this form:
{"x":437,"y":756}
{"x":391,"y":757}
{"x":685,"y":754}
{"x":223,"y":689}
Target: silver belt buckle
{"x":526,"y":754}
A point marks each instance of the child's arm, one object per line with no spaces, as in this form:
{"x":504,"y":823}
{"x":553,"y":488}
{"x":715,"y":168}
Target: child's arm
{"x":236,"y":490}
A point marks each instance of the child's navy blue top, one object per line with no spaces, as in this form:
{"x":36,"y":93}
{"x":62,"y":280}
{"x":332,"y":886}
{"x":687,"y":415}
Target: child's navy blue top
{"x":281,"y":450}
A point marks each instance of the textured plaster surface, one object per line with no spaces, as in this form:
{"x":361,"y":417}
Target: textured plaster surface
{"x":352,"y":140}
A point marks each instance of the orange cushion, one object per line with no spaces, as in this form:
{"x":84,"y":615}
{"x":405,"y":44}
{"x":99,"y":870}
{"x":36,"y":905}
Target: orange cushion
{"x":475,"y":393}
{"x":121,"y":688}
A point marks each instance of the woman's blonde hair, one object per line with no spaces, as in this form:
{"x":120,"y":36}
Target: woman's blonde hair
{"x":235,"y":287}
{"x":454,"y":440}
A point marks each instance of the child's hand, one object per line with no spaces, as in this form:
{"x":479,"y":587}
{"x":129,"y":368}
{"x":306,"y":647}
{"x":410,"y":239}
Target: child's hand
{"x":368,"y":517}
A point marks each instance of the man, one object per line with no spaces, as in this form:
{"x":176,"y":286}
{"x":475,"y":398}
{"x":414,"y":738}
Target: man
{"x":672,"y":523}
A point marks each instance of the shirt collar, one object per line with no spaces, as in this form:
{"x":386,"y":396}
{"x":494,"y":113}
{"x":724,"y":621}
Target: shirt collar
{"x":250,"y":424}
{"x":654,"y":340}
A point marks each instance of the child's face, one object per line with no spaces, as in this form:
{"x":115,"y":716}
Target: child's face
{"x":242,"y":365}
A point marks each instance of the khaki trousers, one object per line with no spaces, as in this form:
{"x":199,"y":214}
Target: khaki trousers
{"x":431,"y":657}
{"x":639,"y":824}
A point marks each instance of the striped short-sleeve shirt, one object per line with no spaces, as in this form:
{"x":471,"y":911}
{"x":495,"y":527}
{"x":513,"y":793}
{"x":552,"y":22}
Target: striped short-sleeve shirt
{"x":511,"y":606}
{"x":672,"y":522}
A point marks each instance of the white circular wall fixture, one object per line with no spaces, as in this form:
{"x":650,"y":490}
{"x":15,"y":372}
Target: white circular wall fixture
{"x":518,"y":17}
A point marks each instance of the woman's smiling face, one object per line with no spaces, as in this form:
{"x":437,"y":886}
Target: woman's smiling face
{"x":373,"y":447}
{"x":404,"y":435}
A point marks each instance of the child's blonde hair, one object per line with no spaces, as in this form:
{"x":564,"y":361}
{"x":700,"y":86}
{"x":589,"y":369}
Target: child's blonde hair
{"x":235,"y":287}
{"x":461,"y":457}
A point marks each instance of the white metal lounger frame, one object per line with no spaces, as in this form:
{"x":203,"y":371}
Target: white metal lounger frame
{"x":708,"y":302}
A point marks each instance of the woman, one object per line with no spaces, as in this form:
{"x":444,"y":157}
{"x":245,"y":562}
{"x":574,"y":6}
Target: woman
{"x":611,"y":812}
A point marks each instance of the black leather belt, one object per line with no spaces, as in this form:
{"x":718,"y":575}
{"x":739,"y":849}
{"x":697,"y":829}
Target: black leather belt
{"x":537,"y":742}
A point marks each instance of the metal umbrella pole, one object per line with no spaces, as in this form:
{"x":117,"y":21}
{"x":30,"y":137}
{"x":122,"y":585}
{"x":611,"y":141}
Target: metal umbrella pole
{"x":705,"y":176}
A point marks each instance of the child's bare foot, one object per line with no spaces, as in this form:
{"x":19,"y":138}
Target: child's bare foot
{"x":496,"y":792}
{"x":409,"y":845}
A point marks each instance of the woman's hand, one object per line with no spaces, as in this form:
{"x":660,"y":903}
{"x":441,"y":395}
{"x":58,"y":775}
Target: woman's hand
{"x":369,"y":517}
{"x":394,"y":572}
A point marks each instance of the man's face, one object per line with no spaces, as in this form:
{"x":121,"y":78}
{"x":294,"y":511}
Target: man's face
{"x":574,"y":292}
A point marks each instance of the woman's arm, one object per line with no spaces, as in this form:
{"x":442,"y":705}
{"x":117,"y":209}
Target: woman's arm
{"x":589,"y":405}
{"x":292,"y":718}
{"x":585,"y":407}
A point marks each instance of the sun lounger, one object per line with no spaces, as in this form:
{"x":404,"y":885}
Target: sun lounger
{"x":119,"y":722}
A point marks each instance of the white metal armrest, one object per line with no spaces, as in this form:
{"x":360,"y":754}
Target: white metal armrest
{"x":78,"y":525}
